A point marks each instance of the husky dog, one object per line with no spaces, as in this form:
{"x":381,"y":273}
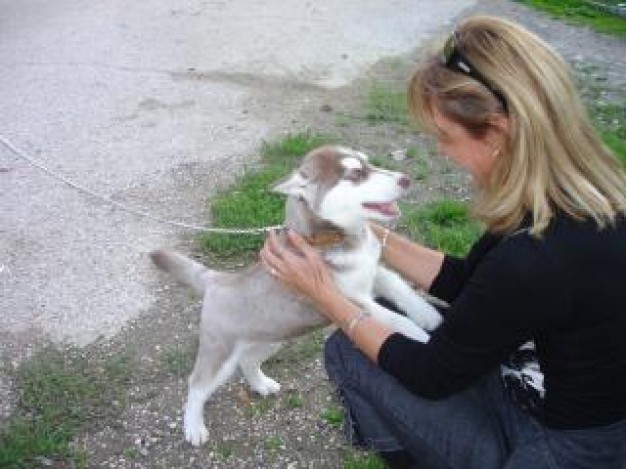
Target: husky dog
{"x":246,"y":315}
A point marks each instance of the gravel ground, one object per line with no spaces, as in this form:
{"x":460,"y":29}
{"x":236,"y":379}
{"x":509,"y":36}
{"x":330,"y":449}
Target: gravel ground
{"x":287,"y":431}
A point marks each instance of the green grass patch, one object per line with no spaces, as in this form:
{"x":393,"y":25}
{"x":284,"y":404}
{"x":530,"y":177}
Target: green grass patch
{"x":333,"y":416}
{"x":610,"y":121}
{"x":131,"y":452}
{"x":310,"y":347}
{"x":616,"y":144}
{"x":385,"y":104}
{"x":59,"y":393}
{"x":606,"y":107}
{"x":363,"y":461}
{"x":294,"y":400}
{"x":261,"y":406}
{"x":178,"y":360}
{"x":224,"y":451}
{"x":381,"y":162}
{"x":445,"y":225}
{"x":598,"y":14}
{"x":273,"y":444}
{"x":283,"y":151}
{"x":250,"y":203}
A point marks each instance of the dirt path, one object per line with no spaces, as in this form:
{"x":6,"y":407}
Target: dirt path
{"x":296,"y":428}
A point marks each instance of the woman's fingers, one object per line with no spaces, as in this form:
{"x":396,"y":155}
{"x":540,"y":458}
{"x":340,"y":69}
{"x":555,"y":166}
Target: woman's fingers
{"x":270,"y":254}
{"x":302,"y":246}
{"x":297,"y":241}
{"x":275,"y":256}
{"x":273,"y":245}
{"x":299,"y":267}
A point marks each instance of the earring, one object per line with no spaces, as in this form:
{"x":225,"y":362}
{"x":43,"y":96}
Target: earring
{"x":496,"y":152}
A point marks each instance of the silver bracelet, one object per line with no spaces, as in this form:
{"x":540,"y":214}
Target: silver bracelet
{"x":362,"y":315}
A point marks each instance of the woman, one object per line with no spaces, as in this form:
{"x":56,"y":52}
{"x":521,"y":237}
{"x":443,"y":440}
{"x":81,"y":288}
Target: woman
{"x":528,"y":368}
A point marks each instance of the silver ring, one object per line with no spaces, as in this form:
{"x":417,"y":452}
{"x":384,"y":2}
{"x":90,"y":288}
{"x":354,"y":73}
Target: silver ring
{"x":273,"y":272}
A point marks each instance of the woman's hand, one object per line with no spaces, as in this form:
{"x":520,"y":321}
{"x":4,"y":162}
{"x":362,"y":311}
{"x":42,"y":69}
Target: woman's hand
{"x":300,"y":267}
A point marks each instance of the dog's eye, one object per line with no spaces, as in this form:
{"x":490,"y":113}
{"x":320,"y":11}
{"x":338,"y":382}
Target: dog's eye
{"x":355,"y":174}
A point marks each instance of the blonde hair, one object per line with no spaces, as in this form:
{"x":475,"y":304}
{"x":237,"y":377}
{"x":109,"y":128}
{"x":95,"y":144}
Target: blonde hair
{"x":553,"y":159}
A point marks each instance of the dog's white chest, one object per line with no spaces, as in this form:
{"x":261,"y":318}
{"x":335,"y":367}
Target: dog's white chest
{"x":355,"y":269}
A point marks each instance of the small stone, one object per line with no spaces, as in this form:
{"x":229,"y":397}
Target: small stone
{"x":243,"y":396}
{"x":326,"y":108}
{"x":44,"y":461}
{"x":398,"y":155}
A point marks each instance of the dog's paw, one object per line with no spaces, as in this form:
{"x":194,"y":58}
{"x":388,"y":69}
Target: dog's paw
{"x":266,"y":386}
{"x":196,"y":434}
{"x":432,"y":321}
{"x":428,"y":318}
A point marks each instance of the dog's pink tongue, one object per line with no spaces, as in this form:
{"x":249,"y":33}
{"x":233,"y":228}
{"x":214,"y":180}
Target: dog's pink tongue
{"x":386,"y":208}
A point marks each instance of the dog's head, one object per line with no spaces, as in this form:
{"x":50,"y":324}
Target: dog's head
{"x":339,"y":186}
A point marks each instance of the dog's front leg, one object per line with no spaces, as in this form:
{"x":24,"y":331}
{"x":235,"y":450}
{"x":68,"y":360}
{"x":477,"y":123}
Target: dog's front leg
{"x":392,"y":287}
{"x":250,"y":364}
{"x":395,"y":321}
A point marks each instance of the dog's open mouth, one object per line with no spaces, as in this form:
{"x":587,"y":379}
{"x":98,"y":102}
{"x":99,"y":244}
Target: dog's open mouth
{"x":389,"y":209}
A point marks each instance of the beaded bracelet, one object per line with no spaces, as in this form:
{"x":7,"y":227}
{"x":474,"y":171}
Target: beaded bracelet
{"x":362,"y":315}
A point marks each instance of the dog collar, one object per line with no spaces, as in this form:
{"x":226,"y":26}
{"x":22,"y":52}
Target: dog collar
{"x":325,"y":239}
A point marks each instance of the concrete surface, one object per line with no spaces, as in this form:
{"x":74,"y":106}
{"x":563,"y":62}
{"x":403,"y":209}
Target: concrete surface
{"x":156,"y":104}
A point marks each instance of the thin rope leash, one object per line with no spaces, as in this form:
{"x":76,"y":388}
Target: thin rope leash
{"x":134,"y":211}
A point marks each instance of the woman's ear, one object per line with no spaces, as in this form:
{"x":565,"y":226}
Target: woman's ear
{"x":500,"y":122}
{"x":498,"y":134}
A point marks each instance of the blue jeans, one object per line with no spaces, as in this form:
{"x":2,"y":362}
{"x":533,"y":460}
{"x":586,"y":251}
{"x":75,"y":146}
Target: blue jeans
{"x":479,"y":428}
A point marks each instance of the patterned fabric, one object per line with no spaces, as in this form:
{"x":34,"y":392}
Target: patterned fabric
{"x":522,"y":377}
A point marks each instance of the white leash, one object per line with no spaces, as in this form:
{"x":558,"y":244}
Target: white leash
{"x":125,"y":208}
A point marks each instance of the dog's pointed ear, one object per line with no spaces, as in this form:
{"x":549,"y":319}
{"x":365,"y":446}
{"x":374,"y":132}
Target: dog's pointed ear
{"x":295,"y":184}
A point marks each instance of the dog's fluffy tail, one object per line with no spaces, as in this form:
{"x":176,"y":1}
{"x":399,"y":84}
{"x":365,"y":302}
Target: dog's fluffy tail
{"x":182,"y":268}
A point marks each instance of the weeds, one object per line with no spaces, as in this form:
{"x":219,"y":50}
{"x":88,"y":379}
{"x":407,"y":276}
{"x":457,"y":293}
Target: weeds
{"x":224,"y":451}
{"x":292,"y":146}
{"x":59,"y":392}
{"x":600,"y":15}
{"x":294,"y":400}
{"x":261,"y":406}
{"x":606,"y":106}
{"x":304,"y":349}
{"x":333,"y":416}
{"x":363,"y":461}
{"x":178,"y":361}
{"x":273,"y":444}
{"x":385,"y":104}
{"x":444,"y":225}
{"x":610,"y":121}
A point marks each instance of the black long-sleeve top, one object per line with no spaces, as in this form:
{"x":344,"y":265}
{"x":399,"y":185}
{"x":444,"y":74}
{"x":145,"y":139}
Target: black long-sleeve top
{"x":566,"y":291}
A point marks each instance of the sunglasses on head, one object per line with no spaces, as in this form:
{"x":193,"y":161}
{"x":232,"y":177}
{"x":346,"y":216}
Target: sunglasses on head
{"x":453,"y":59}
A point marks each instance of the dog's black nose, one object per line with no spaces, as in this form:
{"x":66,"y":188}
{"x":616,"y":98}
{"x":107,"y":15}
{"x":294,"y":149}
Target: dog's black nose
{"x":404,"y":182}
